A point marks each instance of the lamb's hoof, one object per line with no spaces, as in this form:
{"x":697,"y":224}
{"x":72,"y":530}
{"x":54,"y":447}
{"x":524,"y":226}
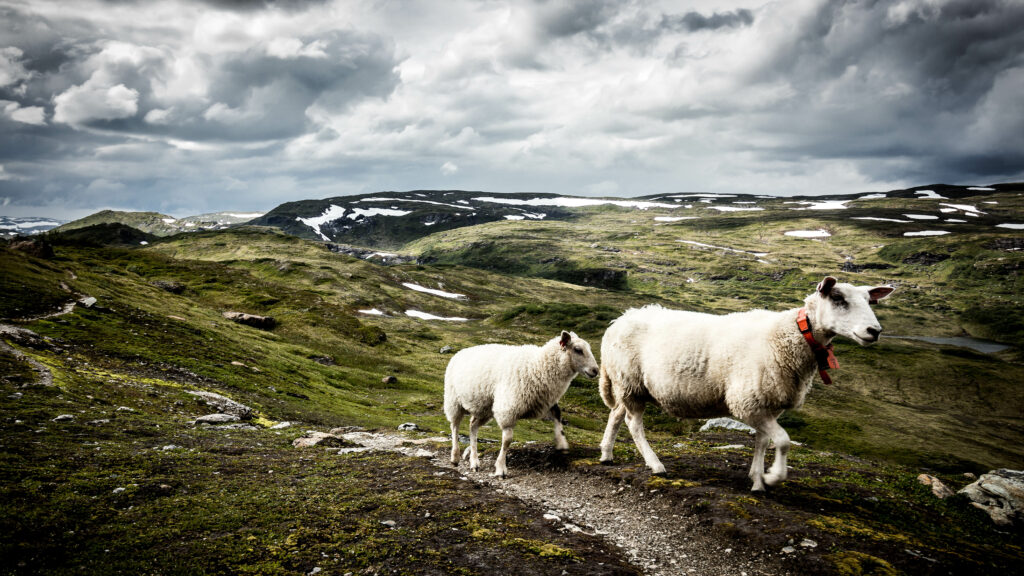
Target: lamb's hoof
{"x":757,"y":489}
{"x":660,"y":474}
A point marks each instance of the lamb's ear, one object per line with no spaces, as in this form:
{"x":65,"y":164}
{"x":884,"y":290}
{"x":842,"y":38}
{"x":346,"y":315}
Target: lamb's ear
{"x":878,"y":293}
{"x":825,"y":286}
{"x":566,"y":338}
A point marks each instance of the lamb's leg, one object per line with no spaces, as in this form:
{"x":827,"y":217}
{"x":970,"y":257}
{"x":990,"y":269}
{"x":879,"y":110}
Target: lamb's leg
{"x":635,"y":422}
{"x":555,"y":415}
{"x":474,"y":455}
{"x":777,"y":473}
{"x":757,"y":466}
{"x":456,"y":420}
{"x":610,"y":432}
{"x":500,"y":470}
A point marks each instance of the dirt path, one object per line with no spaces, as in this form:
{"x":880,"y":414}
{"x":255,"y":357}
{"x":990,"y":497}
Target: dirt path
{"x":649,"y":528}
{"x":44,"y":376}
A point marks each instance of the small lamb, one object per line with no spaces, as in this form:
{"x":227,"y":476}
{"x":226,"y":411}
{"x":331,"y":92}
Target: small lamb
{"x":749,"y":365}
{"x":511,"y":383}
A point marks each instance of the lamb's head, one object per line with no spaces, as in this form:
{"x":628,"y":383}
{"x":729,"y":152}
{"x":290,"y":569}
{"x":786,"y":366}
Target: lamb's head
{"x":580,"y":357}
{"x":845,"y":309}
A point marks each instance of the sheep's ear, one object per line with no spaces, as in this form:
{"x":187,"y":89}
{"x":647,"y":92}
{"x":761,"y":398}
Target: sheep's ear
{"x":825,"y":286}
{"x":566,"y":338}
{"x":878,"y":293}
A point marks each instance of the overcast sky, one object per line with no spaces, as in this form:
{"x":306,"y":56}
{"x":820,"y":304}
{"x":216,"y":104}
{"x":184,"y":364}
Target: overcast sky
{"x":187,"y":107}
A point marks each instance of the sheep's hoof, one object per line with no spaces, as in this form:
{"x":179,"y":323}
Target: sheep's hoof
{"x":607,"y":462}
{"x":499,"y":475}
{"x":757,"y":489}
{"x":660,"y":474}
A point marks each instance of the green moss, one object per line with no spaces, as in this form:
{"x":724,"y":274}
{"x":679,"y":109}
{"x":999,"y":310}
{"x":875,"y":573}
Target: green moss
{"x":853,"y":563}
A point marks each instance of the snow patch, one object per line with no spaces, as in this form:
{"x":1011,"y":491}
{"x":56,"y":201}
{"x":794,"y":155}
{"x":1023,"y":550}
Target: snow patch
{"x":514,"y":217}
{"x":735,"y":208}
{"x":367,"y":212}
{"x":334,"y":212}
{"x":873,"y":196}
{"x":921,"y":216}
{"x":703,"y":195}
{"x":673,"y":218}
{"x":929,"y":194}
{"x":169,"y":220}
{"x":410,"y":200}
{"x":566,"y":202}
{"x":371,"y":312}
{"x":822,"y":205}
{"x":426,"y":316}
{"x":880,"y":219}
{"x":969,"y":209}
{"x":982,"y":189}
{"x":809,"y":233}
{"x":927,"y":233}
{"x":1011,"y":226}
{"x":727,"y":249}
{"x":433,"y":291}
{"x":954,"y":220}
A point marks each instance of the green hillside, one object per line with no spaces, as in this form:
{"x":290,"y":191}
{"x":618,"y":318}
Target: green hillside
{"x":157,"y":331}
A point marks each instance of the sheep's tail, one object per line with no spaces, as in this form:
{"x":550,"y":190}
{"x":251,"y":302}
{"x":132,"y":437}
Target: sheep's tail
{"x":605,"y":387}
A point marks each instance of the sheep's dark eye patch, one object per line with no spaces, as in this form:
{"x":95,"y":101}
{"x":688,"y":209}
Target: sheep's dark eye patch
{"x":578,"y":350}
{"x":837,"y":298}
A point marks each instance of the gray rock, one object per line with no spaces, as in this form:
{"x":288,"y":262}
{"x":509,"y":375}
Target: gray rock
{"x":319,"y":439}
{"x":261,"y":322}
{"x":280,"y":425}
{"x":446,"y":350}
{"x":217,"y":419}
{"x":1000,"y":493}
{"x":409,"y":427}
{"x":64,"y":418}
{"x":808,"y":543}
{"x":99,"y":422}
{"x":238,"y":426}
{"x":223,"y":404}
{"x":727,"y":423}
{"x":389,"y":523}
{"x":15,"y":396}
{"x":938,"y":488}
{"x":87,"y":301}
{"x":788,"y":549}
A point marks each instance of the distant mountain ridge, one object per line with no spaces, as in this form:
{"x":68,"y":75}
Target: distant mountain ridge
{"x":159,"y":224}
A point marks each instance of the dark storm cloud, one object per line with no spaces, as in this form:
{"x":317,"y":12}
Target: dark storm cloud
{"x":241,"y":5}
{"x":694,"y":21}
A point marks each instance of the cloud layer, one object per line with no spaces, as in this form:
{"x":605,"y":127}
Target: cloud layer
{"x":189,"y":107}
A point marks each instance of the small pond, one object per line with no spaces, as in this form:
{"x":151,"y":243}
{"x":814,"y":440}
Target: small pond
{"x":976,"y":344}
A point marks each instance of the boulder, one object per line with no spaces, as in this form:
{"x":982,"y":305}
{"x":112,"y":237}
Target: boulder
{"x":217,"y":419}
{"x":170,"y":286}
{"x":320,"y":439}
{"x":727,"y":423}
{"x":938,"y":488}
{"x":1000,"y":493}
{"x":446,"y":350}
{"x":223,"y":404}
{"x":409,"y":427}
{"x":261,"y":322}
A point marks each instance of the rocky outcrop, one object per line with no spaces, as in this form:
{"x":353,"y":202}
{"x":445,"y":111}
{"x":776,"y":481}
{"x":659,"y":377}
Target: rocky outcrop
{"x":223,"y":404}
{"x":1000,"y":493}
{"x":727,"y":423}
{"x":261,"y":322}
{"x":939,"y":489}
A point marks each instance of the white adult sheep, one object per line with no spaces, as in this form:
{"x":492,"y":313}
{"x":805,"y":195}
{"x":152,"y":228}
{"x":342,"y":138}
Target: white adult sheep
{"x":749,"y":365}
{"x":511,"y":383}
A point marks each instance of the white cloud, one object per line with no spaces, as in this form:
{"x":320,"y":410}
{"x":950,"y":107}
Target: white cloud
{"x":95,"y":101}
{"x":35,"y":115}
{"x":12,"y":71}
{"x":289,"y":48}
{"x":449,"y":168}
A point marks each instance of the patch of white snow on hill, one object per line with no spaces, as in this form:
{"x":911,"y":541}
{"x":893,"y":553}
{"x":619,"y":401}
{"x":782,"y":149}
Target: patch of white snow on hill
{"x":514,"y":217}
{"x":921,"y":216}
{"x":332,"y":213}
{"x":809,"y":233}
{"x":366,"y":212}
{"x":873,"y":196}
{"x":929,"y":194}
{"x":249,"y":215}
{"x":372,"y":312}
{"x":1011,"y":226}
{"x":409,"y":200}
{"x":880,"y":219}
{"x":169,"y":220}
{"x":566,"y":202}
{"x":966,"y":208}
{"x":822,"y":205}
{"x":703,"y":195}
{"x":982,"y":189}
{"x":736,"y":208}
{"x":954,"y":220}
{"x":927,"y":233}
{"x":674,"y":218}
{"x":433,"y":291}
{"x":427,"y":316}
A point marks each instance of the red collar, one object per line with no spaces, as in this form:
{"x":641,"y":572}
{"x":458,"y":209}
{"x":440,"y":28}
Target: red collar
{"x":823,"y":354}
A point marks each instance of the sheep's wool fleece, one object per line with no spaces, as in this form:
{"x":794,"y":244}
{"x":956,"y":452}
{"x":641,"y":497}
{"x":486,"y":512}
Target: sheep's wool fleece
{"x":704,"y":365}
{"x":508,"y":382}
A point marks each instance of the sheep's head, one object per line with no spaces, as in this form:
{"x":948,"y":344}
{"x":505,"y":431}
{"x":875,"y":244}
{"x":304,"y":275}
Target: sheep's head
{"x":845,"y":309}
{"x":580,"y":357}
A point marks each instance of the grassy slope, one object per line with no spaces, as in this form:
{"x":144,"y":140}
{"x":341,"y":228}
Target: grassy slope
{"x":897,"y":402}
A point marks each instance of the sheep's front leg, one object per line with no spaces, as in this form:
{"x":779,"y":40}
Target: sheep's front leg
{"x":500,"y":470}
{"x":555,"y":415}
{"x":778,"y":471}
{"x":757,"y":466}
{"x":610,"y":432}
{"x":474,"y":455}
{"x":455,"y":438}
{"x":635,"y":422}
